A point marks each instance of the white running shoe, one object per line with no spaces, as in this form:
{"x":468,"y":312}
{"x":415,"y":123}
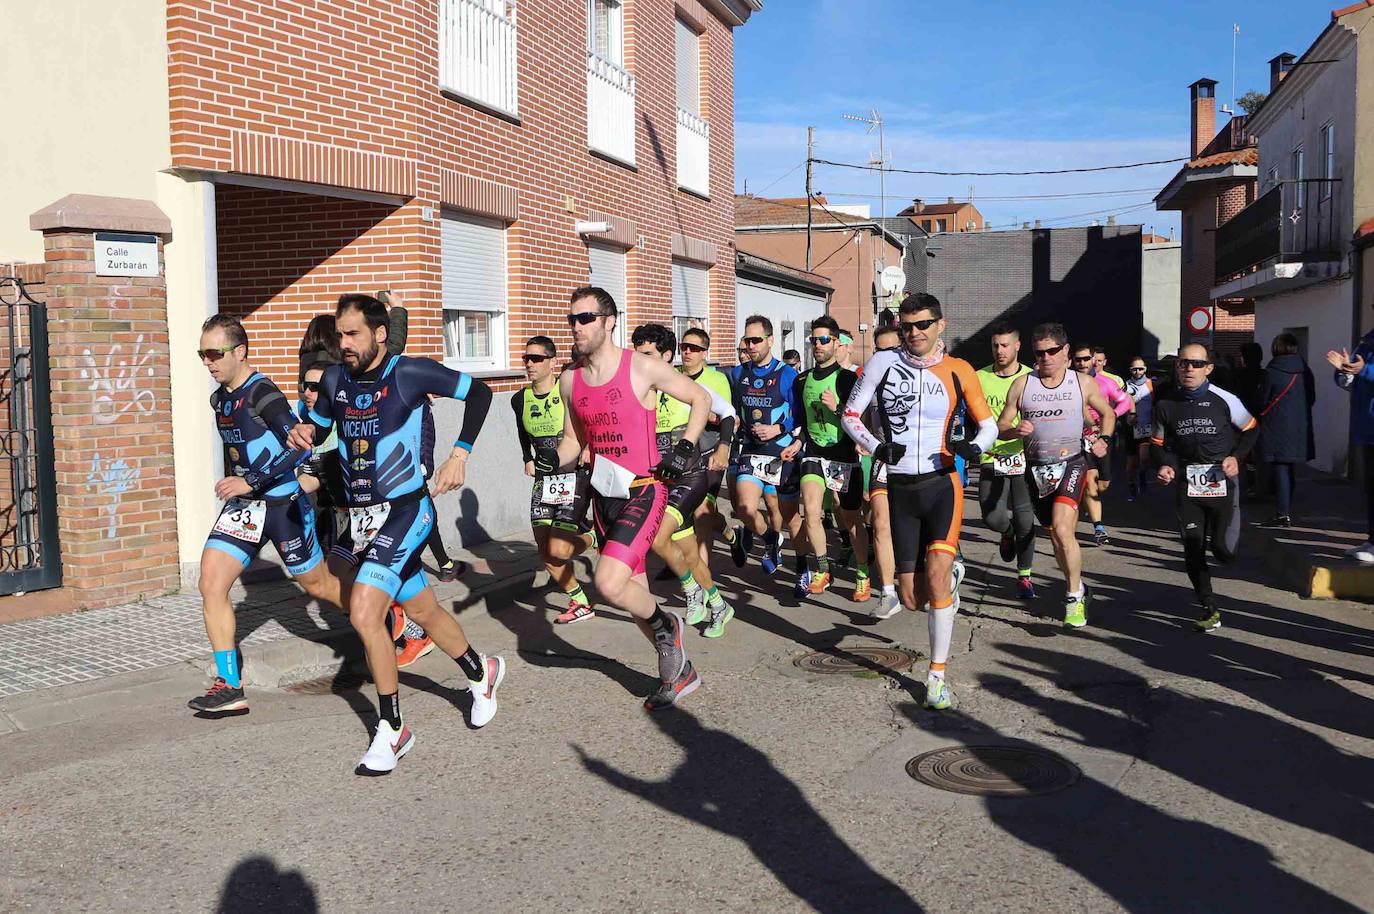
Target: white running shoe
{"x":956,"y":576}
{"x":484,"y":692}
{"x":387,"y":747}
{"x":888,"y":606}
{"x":1363,"y":553}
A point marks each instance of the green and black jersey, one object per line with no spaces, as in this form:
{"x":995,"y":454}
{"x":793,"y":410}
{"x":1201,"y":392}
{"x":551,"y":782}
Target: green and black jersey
{"x":539,"y":420}
{"x":820,"y":425}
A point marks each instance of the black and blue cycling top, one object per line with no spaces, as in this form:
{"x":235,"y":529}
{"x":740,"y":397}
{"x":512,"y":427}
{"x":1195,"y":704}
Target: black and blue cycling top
{"x":764,"y":395}
{"x":254,"y":422}
{"x":378,"y":417}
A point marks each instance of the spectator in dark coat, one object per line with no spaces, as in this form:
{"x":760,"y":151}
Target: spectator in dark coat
{"x":1249,"y":378}
{"x":1286,"y":396}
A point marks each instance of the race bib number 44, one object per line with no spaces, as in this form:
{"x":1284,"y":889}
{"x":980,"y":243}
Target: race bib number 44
{"x":1009,"y":464}
{"x":1206,"y":480}
{"x":365,"y":522}
{"x":1048,"y":477}
{"x":558,"y":490}
{"x":766,"y":469}
{"x":242,"y":519}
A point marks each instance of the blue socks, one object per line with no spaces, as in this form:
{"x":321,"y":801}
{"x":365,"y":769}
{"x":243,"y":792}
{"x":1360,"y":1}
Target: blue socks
{"x":227,"y":667}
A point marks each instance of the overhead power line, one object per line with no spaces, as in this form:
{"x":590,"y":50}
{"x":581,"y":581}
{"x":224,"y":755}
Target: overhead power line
{"x":997,"y":174}
{"x":993,"y":198}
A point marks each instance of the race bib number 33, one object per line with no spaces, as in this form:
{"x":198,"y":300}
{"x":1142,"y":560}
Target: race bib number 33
{"x":242,"y":519}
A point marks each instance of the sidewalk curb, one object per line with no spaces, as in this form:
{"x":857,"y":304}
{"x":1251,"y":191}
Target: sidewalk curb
{"x":275,"y":663}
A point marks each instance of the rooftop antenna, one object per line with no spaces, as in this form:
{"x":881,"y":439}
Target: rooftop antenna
{"x":1231,"y":108}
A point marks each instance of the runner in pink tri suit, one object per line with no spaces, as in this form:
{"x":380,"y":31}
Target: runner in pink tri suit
{"x":609,"y":409}
{"x":1099,"y":475}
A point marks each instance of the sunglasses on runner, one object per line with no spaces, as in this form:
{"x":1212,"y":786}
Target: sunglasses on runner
{"x":821,"y":340}
{"x":1137,"y":368}
{"x":312,"y":386}
{"x":534,"y":357}
{"x":584,"y":317}
{"x":214,"y":355}
{"x":1052,"y":351}
{"x":1193,"y":363}
{"x":888,"y":348}
{"x":691,"y":347}
{"x":1082,"y":358}
{"x":751,"y":340}
{"x":908,"y":326}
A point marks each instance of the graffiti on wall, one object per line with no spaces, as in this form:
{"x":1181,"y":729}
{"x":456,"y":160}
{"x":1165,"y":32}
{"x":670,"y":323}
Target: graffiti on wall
{"x":112,"y":478}
{"x":121,"y":382}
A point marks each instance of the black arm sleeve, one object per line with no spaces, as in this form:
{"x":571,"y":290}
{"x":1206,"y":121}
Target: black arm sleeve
{"x":802,"y":426}
{"x":270,"y":406}
{"x":397,"y":330}
{"x":475,"y":407}
{"x":1246,"y":442}
{"x":517,"y":406}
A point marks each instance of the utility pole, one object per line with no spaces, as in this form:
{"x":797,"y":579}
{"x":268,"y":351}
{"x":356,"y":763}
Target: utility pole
{"x":810,"y":143}
{"x":874,"y":120}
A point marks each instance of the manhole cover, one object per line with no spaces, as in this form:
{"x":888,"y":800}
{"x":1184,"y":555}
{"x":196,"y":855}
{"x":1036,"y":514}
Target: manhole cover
{"x":858,"y":660}
{"x":994,"y":771}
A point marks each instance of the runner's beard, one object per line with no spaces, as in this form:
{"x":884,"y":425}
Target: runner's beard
{"x":365,"y":358}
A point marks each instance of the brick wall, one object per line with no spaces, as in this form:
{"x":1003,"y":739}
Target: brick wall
{"x":346,"y":91}
{"x":1233,"y":321}
{"x":112,"y":426}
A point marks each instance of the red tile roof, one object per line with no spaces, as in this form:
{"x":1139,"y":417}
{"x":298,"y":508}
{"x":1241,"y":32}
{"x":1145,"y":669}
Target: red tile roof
{"x":1247,"y":156}
{"x":754,"y":211}
{"x":1352,"y":8}
{"x":934,"y":209}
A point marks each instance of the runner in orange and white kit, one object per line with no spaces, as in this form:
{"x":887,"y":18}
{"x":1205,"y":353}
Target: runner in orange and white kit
{"x":917,"y":391}
{"x":1054,"y":405}
{"x":609,"y":408}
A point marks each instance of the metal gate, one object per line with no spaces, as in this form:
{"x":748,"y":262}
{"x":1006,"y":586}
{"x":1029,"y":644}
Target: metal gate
{"x":29,"y":557}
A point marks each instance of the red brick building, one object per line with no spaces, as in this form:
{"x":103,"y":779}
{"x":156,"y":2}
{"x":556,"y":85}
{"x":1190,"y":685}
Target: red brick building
{"x":950,"y":216}
{"x":482,"y":156}
{"x":1216,"y":183}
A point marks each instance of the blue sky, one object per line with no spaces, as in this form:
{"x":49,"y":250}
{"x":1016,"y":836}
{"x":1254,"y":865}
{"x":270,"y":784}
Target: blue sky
{"x":995,"y":85}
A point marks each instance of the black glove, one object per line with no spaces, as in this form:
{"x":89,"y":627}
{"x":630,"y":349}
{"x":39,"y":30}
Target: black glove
{"x":545,"y":464}
{"x":967,"y":450}
{"x":890,"y":453}
{"x":680,"y":461}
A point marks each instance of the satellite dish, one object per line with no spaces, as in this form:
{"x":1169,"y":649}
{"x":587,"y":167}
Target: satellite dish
{"x":893,"y":279}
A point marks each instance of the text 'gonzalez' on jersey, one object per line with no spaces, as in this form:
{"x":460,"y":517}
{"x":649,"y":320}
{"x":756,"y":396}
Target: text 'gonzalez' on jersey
{"x":254,"y":423}
{"x":763,"y":396}
{"x":915,"y":407}
{"x":378,"y":419}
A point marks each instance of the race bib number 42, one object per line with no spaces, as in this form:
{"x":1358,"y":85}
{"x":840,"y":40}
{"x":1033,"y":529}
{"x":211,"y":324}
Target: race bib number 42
{"x":1206,"y":480}
{"x":365,"y":522}
{"x":1048,"y":477}
{"x":558,"y":490}
{"x":242,"y":519}
{"x":766,"y":469}
{"x":1009,"y":464}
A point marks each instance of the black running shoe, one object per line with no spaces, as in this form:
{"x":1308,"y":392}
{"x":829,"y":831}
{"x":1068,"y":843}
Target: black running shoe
{"x":451,"y":571}
{"x":220,"y":698}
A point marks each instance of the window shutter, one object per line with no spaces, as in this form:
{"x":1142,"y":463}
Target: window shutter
{"x":690,"y":295}
{"x":474,"y":263}
{"x":608,"y":272}
{"x":688,"y":65}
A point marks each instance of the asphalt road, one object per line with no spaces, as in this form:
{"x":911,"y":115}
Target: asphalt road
{"x":1222,"y":772}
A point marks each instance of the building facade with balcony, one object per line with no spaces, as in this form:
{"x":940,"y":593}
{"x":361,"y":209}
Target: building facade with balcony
{"x":1293,"y":250}
{"x":1217,"y":182}
{"x":480,"y":157}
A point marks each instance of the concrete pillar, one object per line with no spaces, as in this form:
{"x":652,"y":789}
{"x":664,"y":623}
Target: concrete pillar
{"x":111,"y":398}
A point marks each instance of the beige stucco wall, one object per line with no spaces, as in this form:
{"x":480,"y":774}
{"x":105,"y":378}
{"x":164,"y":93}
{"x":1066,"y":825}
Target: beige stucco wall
{"x":87,"y":86}
{"x":1364,"y":114}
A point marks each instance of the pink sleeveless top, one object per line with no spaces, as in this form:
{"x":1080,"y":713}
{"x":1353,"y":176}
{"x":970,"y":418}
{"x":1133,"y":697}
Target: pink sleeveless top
{"x":616,"y":424}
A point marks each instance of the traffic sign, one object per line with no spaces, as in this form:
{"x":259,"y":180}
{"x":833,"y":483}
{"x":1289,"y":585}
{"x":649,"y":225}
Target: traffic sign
{"x":1200,"y":319}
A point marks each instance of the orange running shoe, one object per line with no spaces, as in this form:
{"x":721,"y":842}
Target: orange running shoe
{"x":820,"y":582}
{"x":861,"y":591}
{"x":398,"y":622}
{"x":412,"y":650}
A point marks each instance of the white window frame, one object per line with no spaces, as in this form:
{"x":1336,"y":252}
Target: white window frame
{"x":1328,"y":141}
{"x":455,"y":319}
{"x":614,"y":50}
{"x":1299,"y":163}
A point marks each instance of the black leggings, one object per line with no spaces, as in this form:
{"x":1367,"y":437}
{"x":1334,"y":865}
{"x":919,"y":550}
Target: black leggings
{"x":1006,"y":505}
{"x":1201,"y":519}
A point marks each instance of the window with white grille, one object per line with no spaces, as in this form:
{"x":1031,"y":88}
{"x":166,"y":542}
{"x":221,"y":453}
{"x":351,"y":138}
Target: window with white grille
{"x":473,"y":254}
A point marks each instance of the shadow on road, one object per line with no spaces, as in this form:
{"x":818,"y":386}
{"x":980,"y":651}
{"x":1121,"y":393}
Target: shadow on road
{"x":257,"y":885}
{"x":728,"y":785}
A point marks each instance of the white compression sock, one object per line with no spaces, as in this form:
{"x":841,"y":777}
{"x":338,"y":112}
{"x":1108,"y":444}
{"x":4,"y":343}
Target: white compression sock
{"x":941,"y":625}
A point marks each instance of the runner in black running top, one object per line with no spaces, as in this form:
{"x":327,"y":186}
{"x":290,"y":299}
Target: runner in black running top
{"x":1201,"y":435}
{"x":374,"y":402}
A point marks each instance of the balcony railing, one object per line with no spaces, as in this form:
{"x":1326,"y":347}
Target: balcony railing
{"x":610,"y":109}
{"x":693,"y":153}
{"x":477,"y":52}
{"x":1295,"y":222}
